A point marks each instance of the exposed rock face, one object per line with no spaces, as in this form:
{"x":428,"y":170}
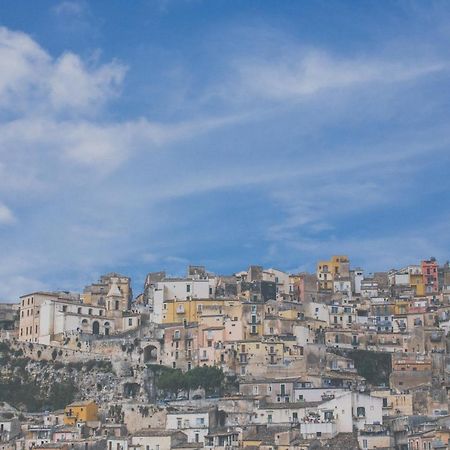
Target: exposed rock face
{"x":49,"y":384}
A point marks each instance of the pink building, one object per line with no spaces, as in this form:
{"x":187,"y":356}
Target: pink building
{"x":430,"y":275}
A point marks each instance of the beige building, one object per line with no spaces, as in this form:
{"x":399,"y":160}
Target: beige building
{"x":328,"y":271}
{"x":30,"y":312}
{"x":96,"y":293}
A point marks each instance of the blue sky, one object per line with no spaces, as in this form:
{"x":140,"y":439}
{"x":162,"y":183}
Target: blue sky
{"x":225,"y":133}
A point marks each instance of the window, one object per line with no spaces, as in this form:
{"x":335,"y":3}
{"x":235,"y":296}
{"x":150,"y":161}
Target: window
{"x":269,"y":418}
{"x":130,"y":322}
{"x":361,"y":411}
{"x":188,"y":288}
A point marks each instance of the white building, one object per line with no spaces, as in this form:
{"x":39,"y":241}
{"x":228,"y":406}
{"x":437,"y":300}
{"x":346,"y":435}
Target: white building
{"x":343,"y":286}
{"x":345,"y":410}
{"x":281,"y":279}
{"x":195,"y":424}
{"x":60,"y":316}
{"x":180,"y":289}
{"x":155,"y":439}
{"x":117,"y":443}
{"x":9,"y":429}
{"x":50,"y":317}
{"x":357,"y":276}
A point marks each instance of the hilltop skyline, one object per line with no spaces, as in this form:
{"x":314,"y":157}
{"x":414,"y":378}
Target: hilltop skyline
{"x":222,"y":134}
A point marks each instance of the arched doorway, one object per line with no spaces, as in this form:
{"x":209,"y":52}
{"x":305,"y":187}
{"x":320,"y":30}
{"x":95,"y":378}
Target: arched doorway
{"x":85,"y":325}
{"x":150,"y":354}
{"x":95,"y":327}
{"x":106,"y":328}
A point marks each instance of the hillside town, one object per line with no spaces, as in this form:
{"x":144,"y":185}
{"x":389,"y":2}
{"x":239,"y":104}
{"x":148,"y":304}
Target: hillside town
{"x":258,"y":359}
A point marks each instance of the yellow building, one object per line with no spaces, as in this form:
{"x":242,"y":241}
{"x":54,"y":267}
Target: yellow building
{"x":395,"y":404}
{"x":85,"y":411}
{"x":401,"y":307}
{"x":190,"y":310}
{"x":416,"y":283}
{"x":327,"y":271}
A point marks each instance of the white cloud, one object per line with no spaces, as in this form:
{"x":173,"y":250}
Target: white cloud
{"x":32,"y":82}
{"x":301,"y":73}
{"x":72,"y":86}
{"x":72,"y":171}
{"x":69,"y":8}
{"x":6,"y":215}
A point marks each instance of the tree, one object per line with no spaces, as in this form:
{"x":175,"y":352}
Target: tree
{"x":208,"y":378}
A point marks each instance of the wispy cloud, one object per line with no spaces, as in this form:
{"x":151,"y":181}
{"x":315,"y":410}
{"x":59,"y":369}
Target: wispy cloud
{"x":304,"y":73}
{"x":69,"y":8}
{"x":262,"y":158}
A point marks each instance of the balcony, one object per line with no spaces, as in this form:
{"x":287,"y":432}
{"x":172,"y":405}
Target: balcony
{"x":314,"y":429}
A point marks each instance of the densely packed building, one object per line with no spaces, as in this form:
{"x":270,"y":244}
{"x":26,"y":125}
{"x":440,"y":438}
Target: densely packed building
{"x":336,"y":359}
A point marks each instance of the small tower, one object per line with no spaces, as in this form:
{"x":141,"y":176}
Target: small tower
{"x":114,"y":300}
